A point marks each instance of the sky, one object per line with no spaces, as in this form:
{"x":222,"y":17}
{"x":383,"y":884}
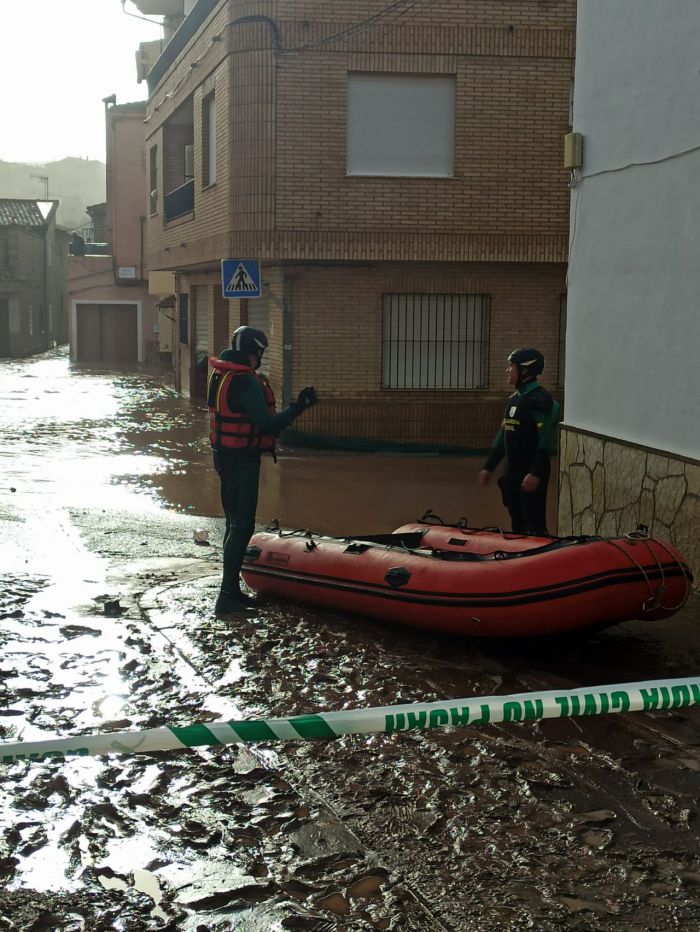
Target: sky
{"x":59,"y":59}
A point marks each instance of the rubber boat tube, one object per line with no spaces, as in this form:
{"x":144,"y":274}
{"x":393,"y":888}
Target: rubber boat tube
{"x":474,"y":582}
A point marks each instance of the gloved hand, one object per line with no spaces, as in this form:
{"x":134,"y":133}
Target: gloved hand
{"x":307,"y":398}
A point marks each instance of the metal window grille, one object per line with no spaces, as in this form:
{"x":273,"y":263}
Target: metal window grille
{"x":435,"y":341}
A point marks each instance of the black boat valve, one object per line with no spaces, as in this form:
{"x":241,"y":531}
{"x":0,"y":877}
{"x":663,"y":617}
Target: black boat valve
{"x":397,"y":576}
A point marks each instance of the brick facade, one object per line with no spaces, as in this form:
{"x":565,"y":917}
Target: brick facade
{"x":498,"y":226}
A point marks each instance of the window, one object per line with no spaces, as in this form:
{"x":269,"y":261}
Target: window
{"x":400,"y":125}
{"x":153,"y":179}
{"x":435,"y":341}
{"x":208,"y":140}
{"x":184,"y":316}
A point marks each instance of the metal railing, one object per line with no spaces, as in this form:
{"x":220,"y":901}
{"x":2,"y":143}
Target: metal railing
{"x":89,"y":249}
{"x":435,"y":341}
{"x":467,"y":424}
{"x":179,"y":202}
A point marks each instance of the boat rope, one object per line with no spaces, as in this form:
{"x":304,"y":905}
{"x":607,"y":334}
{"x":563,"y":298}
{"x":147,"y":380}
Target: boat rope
{"x":429,"y":517}
{"x":520,"y":707}
{"x":654,"y":602}
{"x":642,"y":534}
{"x":674,"y":558}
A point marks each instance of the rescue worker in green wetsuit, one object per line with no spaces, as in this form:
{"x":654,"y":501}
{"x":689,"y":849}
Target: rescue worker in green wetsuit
{"x":527,"y":440}
{"x":244,"y":424}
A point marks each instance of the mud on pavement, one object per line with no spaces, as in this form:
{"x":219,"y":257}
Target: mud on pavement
{"x":106,"y":625}
{"x":579,"y":824}
{"x":575,"y":824}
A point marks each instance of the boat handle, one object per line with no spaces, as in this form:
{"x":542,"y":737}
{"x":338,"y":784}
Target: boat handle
{"x":252,"y":553}
{"x":397,"y":576}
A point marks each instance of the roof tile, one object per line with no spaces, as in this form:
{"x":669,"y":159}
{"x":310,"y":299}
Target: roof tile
{"x":20,"y":212}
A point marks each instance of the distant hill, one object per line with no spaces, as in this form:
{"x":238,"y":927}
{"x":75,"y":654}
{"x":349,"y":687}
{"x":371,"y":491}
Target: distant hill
{"x":74,"y":182}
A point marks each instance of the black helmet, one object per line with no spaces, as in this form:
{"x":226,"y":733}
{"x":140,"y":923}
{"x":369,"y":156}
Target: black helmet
{"x":527,"y":358}
{"x":248,"y":340}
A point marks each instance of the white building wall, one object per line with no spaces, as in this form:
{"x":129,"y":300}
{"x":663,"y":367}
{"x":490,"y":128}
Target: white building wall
{"x":633,"y":332}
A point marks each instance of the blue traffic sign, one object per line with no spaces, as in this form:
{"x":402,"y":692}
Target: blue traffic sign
{"x":240,"y":278}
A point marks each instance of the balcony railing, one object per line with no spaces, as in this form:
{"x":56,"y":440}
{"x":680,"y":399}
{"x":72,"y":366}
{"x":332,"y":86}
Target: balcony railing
{"x":179,"y":41}
{"x":179,"y":202}
{"x":89,"y":249}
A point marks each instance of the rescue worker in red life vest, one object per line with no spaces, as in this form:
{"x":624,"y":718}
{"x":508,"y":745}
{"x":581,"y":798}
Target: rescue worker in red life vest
{"x":244,"y":424}
{"x":527,"y":440}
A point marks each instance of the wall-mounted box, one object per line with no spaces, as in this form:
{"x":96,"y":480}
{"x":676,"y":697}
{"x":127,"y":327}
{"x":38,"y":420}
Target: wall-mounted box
{"x":573,"y":150}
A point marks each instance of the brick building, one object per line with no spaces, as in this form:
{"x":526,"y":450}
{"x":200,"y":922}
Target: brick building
{"x":397,"y":169}
{"x":32,"y":273}
{"x":113,"y":318}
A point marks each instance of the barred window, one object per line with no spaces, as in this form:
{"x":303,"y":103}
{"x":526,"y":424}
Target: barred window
{"x":435,"y":341}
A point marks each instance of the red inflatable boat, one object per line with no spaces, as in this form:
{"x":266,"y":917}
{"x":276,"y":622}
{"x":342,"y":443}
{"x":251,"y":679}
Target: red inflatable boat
{"x":474,"y":582}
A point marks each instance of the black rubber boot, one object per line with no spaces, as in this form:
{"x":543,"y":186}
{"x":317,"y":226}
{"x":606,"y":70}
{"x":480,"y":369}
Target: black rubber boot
{"x":233,"y":603}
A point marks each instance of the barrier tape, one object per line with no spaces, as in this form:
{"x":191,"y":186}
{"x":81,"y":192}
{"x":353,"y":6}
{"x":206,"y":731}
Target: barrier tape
{"x":520,"y":707}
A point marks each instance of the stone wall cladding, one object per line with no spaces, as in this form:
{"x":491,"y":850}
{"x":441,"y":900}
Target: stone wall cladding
{"x":608,"y":487}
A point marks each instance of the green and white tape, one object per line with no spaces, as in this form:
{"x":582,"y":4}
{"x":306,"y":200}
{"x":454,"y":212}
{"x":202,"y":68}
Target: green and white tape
{"x":521,"y":707}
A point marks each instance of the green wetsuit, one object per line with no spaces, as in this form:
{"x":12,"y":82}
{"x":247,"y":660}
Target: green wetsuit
{"x":527,"y":440}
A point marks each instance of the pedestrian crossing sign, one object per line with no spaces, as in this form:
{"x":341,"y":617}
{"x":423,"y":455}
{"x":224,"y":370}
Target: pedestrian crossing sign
{"x":240,"y":278}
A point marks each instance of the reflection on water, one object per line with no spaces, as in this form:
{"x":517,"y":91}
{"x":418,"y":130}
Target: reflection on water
{"x":76,"y":437}
{"x":351,"y":493}
{"x":122,"y":440}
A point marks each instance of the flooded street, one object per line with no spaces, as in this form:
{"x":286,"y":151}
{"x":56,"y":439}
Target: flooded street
{"x":106,"y":624}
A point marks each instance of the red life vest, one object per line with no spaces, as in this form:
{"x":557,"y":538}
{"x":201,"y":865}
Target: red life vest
{"x":229,"y":429}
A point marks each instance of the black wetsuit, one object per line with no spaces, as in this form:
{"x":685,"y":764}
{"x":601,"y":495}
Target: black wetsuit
{"x":239,"y":469}
{"x":527,"y":439}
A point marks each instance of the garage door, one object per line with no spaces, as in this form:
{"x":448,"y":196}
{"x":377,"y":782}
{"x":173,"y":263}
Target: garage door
{"x":107,"y":333}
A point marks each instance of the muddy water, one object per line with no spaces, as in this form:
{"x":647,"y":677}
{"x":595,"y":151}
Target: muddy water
{"x":350,"y":493}
{"x":587,"y":824}
{"x":79,"y":436}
